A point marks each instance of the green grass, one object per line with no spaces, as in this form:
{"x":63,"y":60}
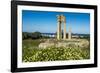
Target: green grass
{"x":30,"y":42}
{"x":31,"y":53}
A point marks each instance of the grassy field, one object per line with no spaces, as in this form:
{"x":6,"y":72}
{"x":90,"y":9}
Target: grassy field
{"x":31,"y":52}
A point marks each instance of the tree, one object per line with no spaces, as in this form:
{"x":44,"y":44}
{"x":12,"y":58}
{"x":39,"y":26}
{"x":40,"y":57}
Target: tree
{"x":24,"y":35}
{"x":36,"y":35}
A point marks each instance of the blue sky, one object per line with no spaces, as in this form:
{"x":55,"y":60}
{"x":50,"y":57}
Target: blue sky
{"x":46,"y":22}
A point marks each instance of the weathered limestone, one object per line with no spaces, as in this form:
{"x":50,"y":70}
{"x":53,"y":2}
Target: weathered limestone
{"x":64,"y":22}
{"x":59,"y":27}
{"x":74,"y":43}
{"x":69,"y":33}
{"x":61,"y":20}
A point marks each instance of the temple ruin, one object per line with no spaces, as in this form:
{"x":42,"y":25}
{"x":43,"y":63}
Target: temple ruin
{"x":61,"y":20}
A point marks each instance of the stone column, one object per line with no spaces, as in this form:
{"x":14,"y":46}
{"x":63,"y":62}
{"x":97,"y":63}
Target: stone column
{"x":58,"y":27}
{"x":58,"y":30}
{"x":69,"y":33}
{"x":64,"y":35}
{"x":64,"y":22}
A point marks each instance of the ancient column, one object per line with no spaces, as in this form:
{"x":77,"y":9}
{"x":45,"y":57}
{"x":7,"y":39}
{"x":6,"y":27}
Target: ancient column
{"x":58,"y":27}
{"x":61,"y":20}
{"x":64,"y":35}
{"x":69,"y":33}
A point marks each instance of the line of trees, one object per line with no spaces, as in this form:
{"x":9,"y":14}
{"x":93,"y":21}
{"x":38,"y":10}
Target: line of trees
{"x":34,"y":35}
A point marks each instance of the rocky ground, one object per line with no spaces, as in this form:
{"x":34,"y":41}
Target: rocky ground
{"x":73,"y":43}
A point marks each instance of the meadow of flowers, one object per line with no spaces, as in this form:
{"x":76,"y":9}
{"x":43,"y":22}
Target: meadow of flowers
{"x":31,"y":53}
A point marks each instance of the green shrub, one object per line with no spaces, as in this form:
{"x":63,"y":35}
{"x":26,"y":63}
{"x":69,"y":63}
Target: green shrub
{"x":54,"y":54}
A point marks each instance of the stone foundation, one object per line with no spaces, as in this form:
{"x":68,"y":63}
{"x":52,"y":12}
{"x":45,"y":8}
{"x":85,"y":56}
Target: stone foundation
{"x":73,"y":43}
